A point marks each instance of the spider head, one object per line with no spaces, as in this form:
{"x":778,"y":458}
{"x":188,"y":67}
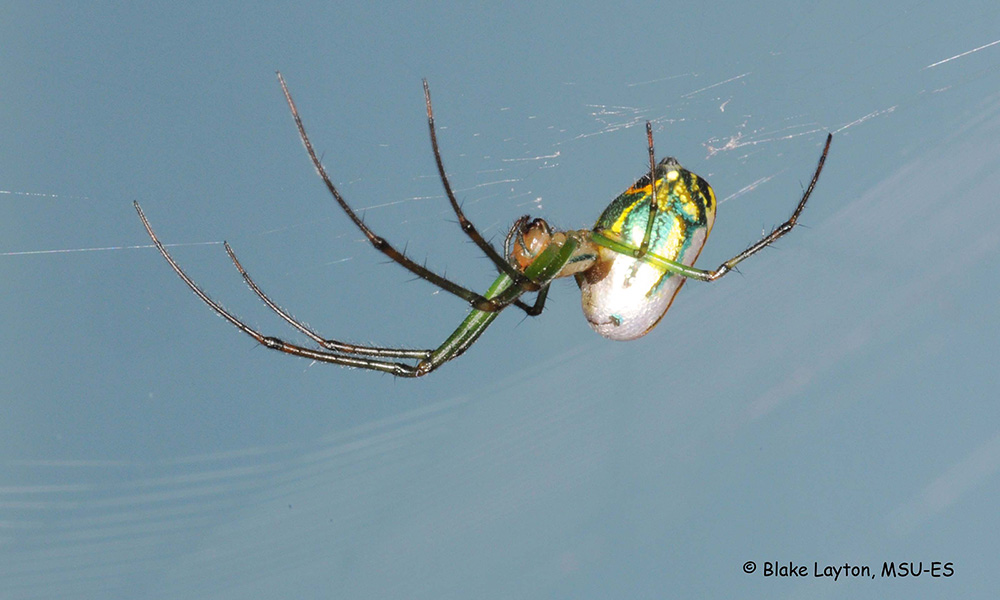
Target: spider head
{"x":526,"y":240}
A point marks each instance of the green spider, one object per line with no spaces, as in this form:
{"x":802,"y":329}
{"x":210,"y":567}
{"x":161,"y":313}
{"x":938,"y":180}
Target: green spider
{"x":629,"y":267}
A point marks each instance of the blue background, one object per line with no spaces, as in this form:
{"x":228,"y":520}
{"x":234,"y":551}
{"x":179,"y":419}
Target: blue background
{"x":837,"y":402}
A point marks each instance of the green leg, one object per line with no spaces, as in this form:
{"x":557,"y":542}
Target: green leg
{"x":542,"y":270}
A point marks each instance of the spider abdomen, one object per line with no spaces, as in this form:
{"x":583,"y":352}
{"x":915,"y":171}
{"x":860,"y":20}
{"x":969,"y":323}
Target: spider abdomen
{"x":624,"y":297}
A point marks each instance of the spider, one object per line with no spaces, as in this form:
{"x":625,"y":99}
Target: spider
{"x":629,"y":266}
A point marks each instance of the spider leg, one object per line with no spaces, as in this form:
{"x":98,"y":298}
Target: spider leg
{"x":544,"y":268}
{"x":535,"y":309}
{"x":470,"y":230}
{"x":477,"y":301}
{"x":398,"y":369}
{"x":654,"y":206}
{"x":778,"y":231}
{"x":303,"y":328}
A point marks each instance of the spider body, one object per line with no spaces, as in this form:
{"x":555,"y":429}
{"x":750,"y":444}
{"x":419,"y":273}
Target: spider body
{"x":629,"y":266}
{"x":624,"y":297}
